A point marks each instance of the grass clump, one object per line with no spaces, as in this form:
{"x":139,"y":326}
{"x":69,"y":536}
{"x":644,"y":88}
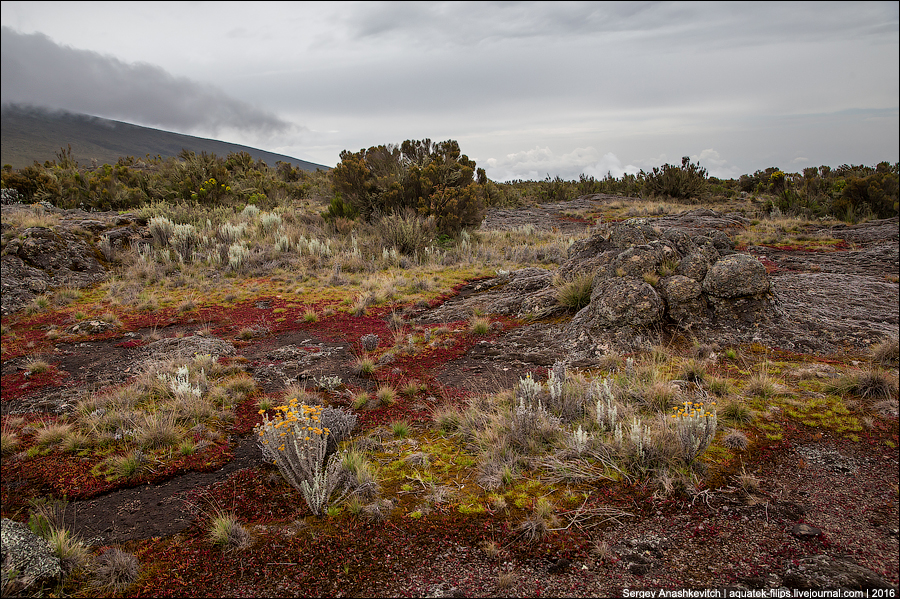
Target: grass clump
{"x":360,"y":400}
{"x":361,"y":480}
{"x":48,"y":521}
{"x":761,"y":384}
{"x":115,"y":570}
{"x":693,"y":371}
{"x":480,"y":325}
{"x":400,"y":429}
{"x":737,"y":413}
{"x":539,"y":523}
{"x":386,"y":395}
{"x":411,"y":388}
{"x":886,"y":352}
{"x":227,"y":532}
{"x":575,"y":294}
{"x":158,"y":430}
{"x":446,"y":418}
{"x":125,"y":466}
{"x":52,"y":433}
{"x":872,"y":384}
{"x":9,"y":440}
{"x":72,"y":553}
{"x":735,"y":439}
{"x":364,"y":366}
{"x":37,"y":367}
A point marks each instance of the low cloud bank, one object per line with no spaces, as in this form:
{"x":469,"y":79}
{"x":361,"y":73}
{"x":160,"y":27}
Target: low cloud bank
{"x":36,"y":70}
{"x":539,"y":162}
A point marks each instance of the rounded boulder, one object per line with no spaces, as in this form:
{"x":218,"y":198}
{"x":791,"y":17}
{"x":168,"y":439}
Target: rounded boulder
{"x":736,"y":275}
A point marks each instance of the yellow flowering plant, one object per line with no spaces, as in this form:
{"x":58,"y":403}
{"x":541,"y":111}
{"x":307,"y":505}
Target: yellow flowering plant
{"x":298,"y":438}
{"x":695,"y":425}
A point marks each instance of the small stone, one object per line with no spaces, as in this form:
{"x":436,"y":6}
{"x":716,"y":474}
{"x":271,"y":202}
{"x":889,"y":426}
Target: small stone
{"x":802,"y":530}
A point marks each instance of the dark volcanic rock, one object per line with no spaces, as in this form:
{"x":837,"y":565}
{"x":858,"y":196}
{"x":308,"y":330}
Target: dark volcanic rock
{"x":826,"y":572}
{"x":735,"y":276}
{"x":40,"y":259}
{"x":621,"y":302}
{"x":630,"y":295}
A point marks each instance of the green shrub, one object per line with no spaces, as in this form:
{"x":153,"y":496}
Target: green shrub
{"x":431,"y":179}
{"x":686,"y":182}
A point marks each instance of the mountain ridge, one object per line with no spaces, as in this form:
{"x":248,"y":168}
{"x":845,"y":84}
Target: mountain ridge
{"x":29,"y":133}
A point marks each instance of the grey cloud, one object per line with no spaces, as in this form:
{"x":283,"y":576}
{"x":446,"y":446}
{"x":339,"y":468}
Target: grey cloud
{"x":474,"y":22}
{"x":660,"y":23}
{"x":35,"y":70}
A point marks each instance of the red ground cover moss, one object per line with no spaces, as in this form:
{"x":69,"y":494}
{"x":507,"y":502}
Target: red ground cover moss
{"x":22,"y":383}
{"x":70,"y":475}
{"x":246,"y":415}
{"x":343,"y":555}
{"x":345,"y":327}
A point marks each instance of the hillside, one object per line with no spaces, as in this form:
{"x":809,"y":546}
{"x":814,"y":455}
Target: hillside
{"x":30,"y":134}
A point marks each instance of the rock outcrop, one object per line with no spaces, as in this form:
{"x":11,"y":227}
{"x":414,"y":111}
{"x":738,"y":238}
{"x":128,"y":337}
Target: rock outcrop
{"x":646,"y":277}
{"x":39,"y":259}
{"x":28,"y":563}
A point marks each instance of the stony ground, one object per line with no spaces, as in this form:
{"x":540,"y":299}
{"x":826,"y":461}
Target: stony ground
{"x":822,"y":512}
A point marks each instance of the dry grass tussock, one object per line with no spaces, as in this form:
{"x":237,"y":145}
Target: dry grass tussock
{"x":886,"y":352}
{"x":785,"y":230}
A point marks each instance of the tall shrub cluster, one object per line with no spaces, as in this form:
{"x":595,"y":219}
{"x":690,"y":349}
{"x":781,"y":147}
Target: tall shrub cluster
{"x":130,"y":183}
{"x":418,"y":176}
{"x":847,"y":192}
{"x":685,"y":182}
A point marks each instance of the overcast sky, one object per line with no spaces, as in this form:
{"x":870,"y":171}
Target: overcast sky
{"x":528,"y":89}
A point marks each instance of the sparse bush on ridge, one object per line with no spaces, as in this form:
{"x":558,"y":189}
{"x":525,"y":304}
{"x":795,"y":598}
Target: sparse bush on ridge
{"x":431,"y":179}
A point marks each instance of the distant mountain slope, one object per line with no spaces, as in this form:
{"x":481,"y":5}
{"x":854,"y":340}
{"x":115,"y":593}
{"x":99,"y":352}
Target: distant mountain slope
{"x":29,"y":134}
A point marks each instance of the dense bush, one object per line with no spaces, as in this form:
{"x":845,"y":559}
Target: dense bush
{"x":876,"y":193}
{"x":430,"y":179}
{"x":130,"y":183}
{"x":685,"y":182}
